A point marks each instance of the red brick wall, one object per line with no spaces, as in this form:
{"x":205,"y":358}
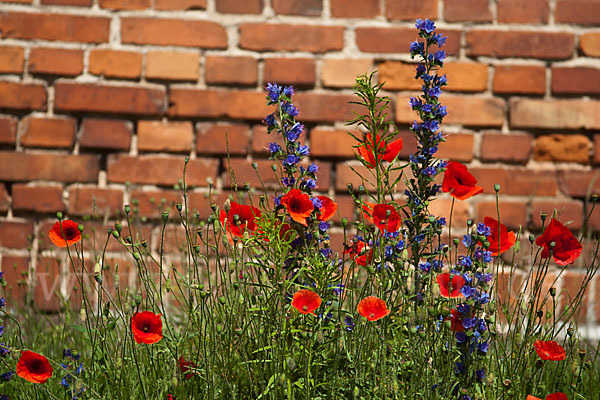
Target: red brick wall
{"x":104,"y":98}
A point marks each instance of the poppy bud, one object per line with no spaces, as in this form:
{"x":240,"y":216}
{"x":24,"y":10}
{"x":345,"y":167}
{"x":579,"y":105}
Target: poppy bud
{"x":118,"y":227}
{"x":127,"y":208}
{"x":455,"y":241}
{"x":531,"y":238}
{"x":116,"y":281}
{"x":350,"y":187}
{"x":486,"y":244}
{"x":356,"y":391}
{"x":227,"y":205}
{"x":98,"y":273}
{"x":82,"y":314}
{"x":222,"y":300}
{"x":59,"y":215}
{"x":361,"y":189}
{"x":236,"y":285}
{"x":570,"y":331}
{"x":274,"y":167}
{"x":144,"y":243}
{"x":219,"y":328}
{"x":581,"y":353}
{"x":344,"y":222}
{"x":291,"y":364}
{"x":539,"y":313}
{"x":543,"y":216}
{"x":594,"y":198}
{"x":165,"y":216}
{"x":552,"y":291}
{"x":507,"y":382}
{"x":497,"y":187}
{"x":179,"y":207}
{"x":136,"y":255}
{"x":469,"y":222}
{"x":129,"y":239}
{"x":138,"y":299}
{"x":203,"y":294}
{"x":80,"y":227}
{"x":255,"y":165}
{"x":445,"y":248}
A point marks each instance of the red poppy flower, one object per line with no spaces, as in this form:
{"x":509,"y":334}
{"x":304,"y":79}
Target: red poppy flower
{"x":385,"y":151}
{"x":298,"y":205}
{"x":360,"y":252}
{"x":530,"y":397}
{"x":236,"y":226}
{"x":372,"y":308}
{"x":146,"y":327}
{"x":549,"y":350}
{"x":499,"y":243}
{"x":456,"y":320}
{"x":306,"y":301}
{"x":557,"y":396}
{"x":328,"y":208}
{"x":33,"y":367}
{"x":459,"y":182}
{"x":378,"y":214}
{"x":566,"y":246}
{"x":70,"y":230}
{"x":186,"y":367}
{"x":450,"y":289}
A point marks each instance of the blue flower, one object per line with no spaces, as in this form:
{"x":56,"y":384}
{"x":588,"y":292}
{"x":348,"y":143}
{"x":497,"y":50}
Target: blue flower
{"x":323,"y":226}
{"x":487,"y":256}
{"x":480,"y":374}
{"x":294,"y":133}
{"x":4,"y":349}
{"x":7,"y":376}
{"x":270,"y":120}
{"x":481,"y":326}
{"x":274,"y":148}
{"x":291,"y":159}
{"x":463,"y":308}
{"x":274,"y":90}
{"x":468,"y":323}
{"x":427,"y":108}
{"x":420,"y":70}
{"x":313,"y":168}
{"x":1,"y":330}
{"x":326,"y":253}
{"x":289,"y":109}
{"x":465,"y":261}
{"x":349,"y":322}
{"x":303,"y":150}
{"x":316,"y":202}
{"x":425,"y":267}
{"x":288,"y":181}
{"x":417,"y":47}
{"x":468,"y":291}
{"x":289,"y":90}
{"x":483,"y":347}
{"x":428,"y":26}
{"x":415,"y":103}
{"x":467,"y":240}
{"x":434,"y":91}
{"x":483,"y":229}
{"x":309,"y":184}
{"x":440,"y":39}
{"x":440,"y":111}
{"x":277,"y":201}
{"x":460,"y":366}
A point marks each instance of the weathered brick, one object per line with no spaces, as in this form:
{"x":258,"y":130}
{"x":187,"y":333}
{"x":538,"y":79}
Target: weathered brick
{"x":522,"y":12}
{"x":467,"y":10}
{"x":236,"y":104}
{"x":465,"y":77}
{"x":8,"y":130}
{"x":526,"y":182}
{"x":290,"y":71}
{"x":49,"y":167}
{"x":311,"y":38}
{"x":573,"y":284}
{"x":555,"y":114}
{"x":221,"y":138}
{"x":27,"y":96}
{"x":512,"y":213}
{"x":92,"y":200}
{"x":343,"y":72}
{"x":578,"y":11}
{"x":398,"y":75}
{"x":411,"y":10}
{"x":523,"y":44}
{"x":457,"y":147}
{"x":160,"y":136}
{"x":589,"y":43}
{"x":160,"y":170}
{"x":115,"y":63}
{"x":329,"y":143}
{"x":173,"y":32}
{"x":575,"y":80}
{"x":11,"y":59}
{"x":519,"y":79}
{"x":570,"y":213}
{"x":562,"y":147}
{"x":440,"y":207}
{"x":579,"y":183}
{"x":125,"y":4}
{"x":231,"y":70}
{"x":355,"y":8}
{"x":239,"y":7}
{"x":47,"y":282}
{"x":397,"y":40}
{"x":245,"y":173}
{"x":63,"y":27}
{"x":487,"y":177}
{"x":325,"y":107}
{"x":47,"y":132}
{"x":510,"y":148}
{"x":15,"y":235}
{"x":16,"y":271}
{"x":345,"y":174}
{"x":105,"y":134}
{"x":298,"y":7}
{"x":152,"y":203}
{"x":180,"y":5}
{"x":41,"y":199}
{"x":172,"y":65}
{"x":56,"y":61}
{"x":71,"y":96}
{"x":79,"y":3}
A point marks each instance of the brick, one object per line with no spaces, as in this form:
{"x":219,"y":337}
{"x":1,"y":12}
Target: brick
{"x":562,"y":148}
{"x":160,"y":170}
{"x":92,"y":200}
{"x":115,"y":63}
{"x":80,"y":3}
{"x":596,"y":159}
{"x":311,"y":8}
{"x":355,"y":8}
{"x":173,"y":32}
{"x":49,"y":132}
{"x":26,"y":96}
{"x":239,"y":7}
{"x":152,"y":203}
{"x":555,"y":114}
{"x":520,"y":12}
{"x":325,"y":107}
{"x":470,"y":111}
{"x":167,"y":5}
{"x":143,"y":100}
{"x":575,"y":80}
{"x":16,"y":271}
{"x":41,"y":199}
{"x":329,"y":143}
{"x":46,"y":282}
{"x":410,"y":10}
{"x":310,"y":38}
{"x":520,"y":44}
{"x":583,"y":12}
{"x":467,"y":10}
{"x":519,"y":79}
{"x":8,"y":130}
{"x":15,"y":235}
{"x":125,"y":4}
{"x":56,"y":61}
{"x":160,"y":136}
{"x":343,"y":72}
{"x":290,"y":71}
{"x":172,"y":65}
{"x":589,"y":43}
{"x":236,"y":104}
{"x":231,"y":70}
{"x":573,"y":284}
{"x":570,"y":213}
{"x":398,"y":75}
{"x":16,"y":167}
{"x":579,"y":183}
{"x":63,"y":27}
{"x":508,"y":148}
{"x":4,"y":198}
{"x":221,"y":138}
{"x":512,"y":213}
{"x":465,"y":77}
{"x":245,"y":173}
{"x":18,"y":1}
{"x":397,"y":40}
{"x":457,"y":147}
{"x":526,"y":182}
{"x":11,"y":59}
{"x":440,"y":207}
{"x":345,"y":174}
{"x":106,"y":134}
{"x":487,"y":177}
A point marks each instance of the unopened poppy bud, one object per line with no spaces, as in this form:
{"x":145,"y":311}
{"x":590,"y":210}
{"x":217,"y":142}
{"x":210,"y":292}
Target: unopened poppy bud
{"x":531,"y":238}
{"x":227,"y":205}
{"x":115,"y":234}
{"x":486,"y":244}
{"x":552,"y":291}
{"x":109,"y":230}
{"x":219,"y":328}
{"x":507,"y":382}
{"x":186,"y":159}
{"x":127,"y":208}
{"x":179,"y":207}
{"x":116,"y":280}
{"x":274,"y":167}
{"x":138,"y":299}
{"x":344,"y":222}
{"x":543,"y":216}
{"x":455,"y":241}
{"x":59,"y":215}
{"x":98,"y":273}
{"x":350,"y":187}
{"x":165,"y":216}
{"x":111,"y":325}
{"x":129,"y":239}
{"x":497,"y":187}
{"x":246,"y":186}
{"x":356,"y":391}
{"x":80,"y":227}
{"x":203,"y":294}
{"x":469,"y":222}
{"x":594,"y":198}
{"x":539,"y":313}
{"x":291,"y":364}
{"x":255,"y":165}
{"x":197,"y":249}
{"x":118,"y":227}
{"x":82,"y":314}
{"x":539,"y":364}
{"x":236,"y":285}
{"x":222,"y":300}
{"x":144,"y":243}
{"x":570,"y":331}
{"x":361,"y":189}
{"x":581,"y":353}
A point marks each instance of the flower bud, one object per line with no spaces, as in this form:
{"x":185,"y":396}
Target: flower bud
{"x":59,"y":215}
{"x":350,"y":187}
{"x":127,"y":208}
{"x":118,"y":227}
{"x":531,"y":238}
{"x":469,"y":222}
{"x":165,"y":216}
{"x":227,"y":206}
{"x":543,"y":216}
{"x":82,"y":314}
{"x":138,"y":299}
{"x":115,"y":234}
{"x":179,"y":207}
{"x":80,"y":227}
{"x":552,"y":291}
{"x":497,"y":187}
